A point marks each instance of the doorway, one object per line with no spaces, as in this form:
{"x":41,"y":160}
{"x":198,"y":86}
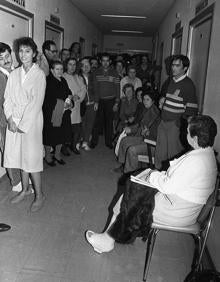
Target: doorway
{"x":198,"y":51}
{"x":177,"y":42}
{"x":54,"y":33}
{"x":14,"y":23}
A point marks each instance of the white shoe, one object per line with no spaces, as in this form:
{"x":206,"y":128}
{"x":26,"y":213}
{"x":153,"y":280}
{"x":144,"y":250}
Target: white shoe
{"x":101,"y":242}
{"x":85,"y":146}
{"x":17,"y":188}
{"x":78,"y":146}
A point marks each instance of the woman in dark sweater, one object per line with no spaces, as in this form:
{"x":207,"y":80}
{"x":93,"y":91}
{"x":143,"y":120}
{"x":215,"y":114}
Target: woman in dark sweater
{"x":56,"y":110}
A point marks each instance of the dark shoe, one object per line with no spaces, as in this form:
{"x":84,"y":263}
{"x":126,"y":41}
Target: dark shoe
{"x":92,"y":145}
{"x":118,"y":169}
{"x":4,"y":227}
{"x":64,"y":151}
{"x":75,"y":151}
{"x":59,"y":161}
{"x":110,"y":146}
{"x":51,"y":163}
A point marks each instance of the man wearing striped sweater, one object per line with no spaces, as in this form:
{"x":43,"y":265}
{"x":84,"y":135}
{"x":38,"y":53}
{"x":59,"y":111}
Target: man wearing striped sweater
{"x":179,"y":103}
{"x":107,"y":97}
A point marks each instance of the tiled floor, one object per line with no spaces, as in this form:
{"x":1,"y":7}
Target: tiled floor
{"x":49,"y":246}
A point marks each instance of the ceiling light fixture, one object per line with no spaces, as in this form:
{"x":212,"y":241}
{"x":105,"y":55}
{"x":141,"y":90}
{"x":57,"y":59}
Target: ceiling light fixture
{"x":124,"y":16}
{"x":127,"y":31}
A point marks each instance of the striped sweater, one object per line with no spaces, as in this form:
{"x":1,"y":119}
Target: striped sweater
{"x":106,"y":84}
{"x":180,"y":100}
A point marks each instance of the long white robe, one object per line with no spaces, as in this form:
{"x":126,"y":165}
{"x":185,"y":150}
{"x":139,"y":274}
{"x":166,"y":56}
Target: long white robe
{"x":24,"y":96}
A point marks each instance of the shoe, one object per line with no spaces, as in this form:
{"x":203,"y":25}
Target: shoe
{"x":37,"y":204}
{"x":51,"y":163}
{"x":85,"y":146}
{"x":110,"y":146}
{"x":92,"y":145}
{"x":61,"y":161}
{"x":20,"y":197}
{"x":75,"y":150}
{"x":17,"y":188}
{"x":4,"y":227}
{"x":101,"y":242}
{"x":118,"y":169}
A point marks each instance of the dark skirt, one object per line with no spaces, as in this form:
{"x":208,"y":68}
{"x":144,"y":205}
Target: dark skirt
{"x":53,"y":136}
{"x":135,"y":217}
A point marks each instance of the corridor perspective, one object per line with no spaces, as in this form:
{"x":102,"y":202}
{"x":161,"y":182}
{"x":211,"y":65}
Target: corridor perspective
{"x":49,"y":246}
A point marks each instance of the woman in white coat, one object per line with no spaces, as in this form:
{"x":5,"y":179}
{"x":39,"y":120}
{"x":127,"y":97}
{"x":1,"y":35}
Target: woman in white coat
{"x":24,"y":96}
{"x":182,"y":190}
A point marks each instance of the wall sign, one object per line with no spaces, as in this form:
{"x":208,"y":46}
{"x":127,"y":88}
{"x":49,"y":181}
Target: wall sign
{"x":20,"y":3}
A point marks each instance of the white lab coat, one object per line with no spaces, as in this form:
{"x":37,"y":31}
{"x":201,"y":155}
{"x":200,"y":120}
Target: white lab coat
{"x":24,"y":96}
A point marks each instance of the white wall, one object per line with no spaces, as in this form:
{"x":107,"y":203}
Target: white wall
{"x":212,"y":97}
{"x":121,"y":43}
{"x":75,"y":24}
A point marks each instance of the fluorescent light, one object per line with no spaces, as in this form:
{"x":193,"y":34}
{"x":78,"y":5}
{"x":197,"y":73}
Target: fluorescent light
{"x":124,"y":16}
{"x":127,"y":31}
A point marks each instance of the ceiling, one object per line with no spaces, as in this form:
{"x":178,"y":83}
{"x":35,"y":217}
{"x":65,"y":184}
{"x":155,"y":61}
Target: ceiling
{"x":154,"y":10}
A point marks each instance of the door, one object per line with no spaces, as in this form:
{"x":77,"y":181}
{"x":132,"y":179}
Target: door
{"x":200,"y":35}
{"x":14,"y":23}
{"x":54,"y":33}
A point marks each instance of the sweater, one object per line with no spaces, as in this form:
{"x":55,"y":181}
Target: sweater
{"x":180,"y":100}
{"x":106,"y":84}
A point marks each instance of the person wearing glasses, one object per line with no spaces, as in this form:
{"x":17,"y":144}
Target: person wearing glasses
{"x":50,"y":54}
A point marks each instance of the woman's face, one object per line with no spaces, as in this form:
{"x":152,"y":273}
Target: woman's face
{"x":132,"y":73}
{"x":71,"y":66}
{"x":86,"y":68}
{"x":147,"y":101}
{"x":57,"y":71}
{"x":139,"y":96}
{"x":26,"y":54}
{"x":129,"y":93}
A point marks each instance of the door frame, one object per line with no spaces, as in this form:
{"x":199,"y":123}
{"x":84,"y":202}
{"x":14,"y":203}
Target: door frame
{"x":20,"y":13}
{"x":177,"y":34}
{"x":205,"y":15}
{"x":58,"y":29}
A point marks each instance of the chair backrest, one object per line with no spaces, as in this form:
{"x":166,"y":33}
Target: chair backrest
{"x":207,"y":211}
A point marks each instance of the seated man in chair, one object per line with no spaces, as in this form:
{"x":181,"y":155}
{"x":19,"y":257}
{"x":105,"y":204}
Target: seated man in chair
{"x":180,"y":192}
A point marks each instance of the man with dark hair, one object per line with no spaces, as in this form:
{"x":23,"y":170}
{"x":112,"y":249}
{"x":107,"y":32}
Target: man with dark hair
{"x":49,"y":55}
{"x":179,"y":103}
{"x":107,"y":90}
{"x":64,"y":55}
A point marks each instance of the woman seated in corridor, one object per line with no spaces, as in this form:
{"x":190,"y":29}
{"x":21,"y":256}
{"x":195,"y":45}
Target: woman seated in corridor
{"x":179,"y":194}
{"x":133,"y":144}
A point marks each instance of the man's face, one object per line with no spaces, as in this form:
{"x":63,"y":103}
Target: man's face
{"x":86,"y":68}
{"x":6,"y":60}
{"x":52,"y":53}
{"x":177,"y":68}
{"x":94,"y":64}
{"x":132,"y":73}
{"x":105,"y":62}
{"x":65,"y":55}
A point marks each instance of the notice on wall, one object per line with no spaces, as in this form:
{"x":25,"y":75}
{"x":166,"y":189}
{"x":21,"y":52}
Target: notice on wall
{"x":20,"y":3}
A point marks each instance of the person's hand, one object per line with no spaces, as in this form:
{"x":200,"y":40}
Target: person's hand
{"x":161,"y":102}
{"x":115,"y":107}
{"x":130,"y":119}
{"x":96,"y":105}
{"x":75,"y":97}
{"x":127,"y":130}
{"x":145,"y":131}
{"x":12,"y":125}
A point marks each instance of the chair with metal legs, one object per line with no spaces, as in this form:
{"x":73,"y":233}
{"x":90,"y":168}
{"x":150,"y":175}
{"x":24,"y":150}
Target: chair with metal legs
{"x":149,"y":158}
{"x":199,"y":231}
